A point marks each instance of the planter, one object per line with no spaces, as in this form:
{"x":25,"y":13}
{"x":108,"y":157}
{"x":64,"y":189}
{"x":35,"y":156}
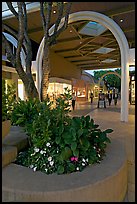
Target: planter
{"x":5,"y":128}
{"x":104,"y":182}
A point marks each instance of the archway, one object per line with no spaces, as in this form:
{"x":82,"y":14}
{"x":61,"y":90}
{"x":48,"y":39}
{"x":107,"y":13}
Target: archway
{"x":124,"y":50}
{"x":115,"y":73}
{"x":11,"y":39}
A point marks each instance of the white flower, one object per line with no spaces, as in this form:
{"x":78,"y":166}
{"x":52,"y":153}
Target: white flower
{"x":46,"y":170}
{"x":49,"y":158}
{"x":51,"y":163}
{"x":36,"y":149}
{"x":94,"y":147}
{"x":77,"y":168}
{"x":97,"y":136}
{"x":39,"y":113}
{"x":57,"y":151}
{"x":41,"y":152}
{"x":87,"y":160}
{"x":37,"y":159}
{"x":48,"y":144}
{"x":31,"y":166}
{"x":32,"y":154}
{"x":98,"y":155}
{"x":34,"y":169}
{"x":83,"y":164}
{"x":83,"y":160}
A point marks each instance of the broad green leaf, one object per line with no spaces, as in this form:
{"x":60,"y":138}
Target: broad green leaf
{"x":60,"y":169}
{"x":108,"y":131}
{"x":73,"y":146}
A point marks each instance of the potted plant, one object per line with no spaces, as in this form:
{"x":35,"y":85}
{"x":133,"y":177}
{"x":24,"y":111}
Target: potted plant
{"x":8,"y":99}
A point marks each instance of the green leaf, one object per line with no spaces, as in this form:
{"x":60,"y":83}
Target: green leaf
{"x":60,"y":169}
{"x":108,"y":131}
{"x":73,"y":146}
{"x":66,"y":153}
{"x":71,"y":167}
{"x":80,"y":132}
{"x":57,"y":140}
{"x":76,"y":153}
{"x":68,"y":140}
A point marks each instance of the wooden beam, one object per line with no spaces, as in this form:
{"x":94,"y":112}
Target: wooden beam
{"x":120,"y":11}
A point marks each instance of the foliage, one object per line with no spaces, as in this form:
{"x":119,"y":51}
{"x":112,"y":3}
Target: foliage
{"x":24,"y":112}
{"x":62,"y":144}
{"x":111,"y":79}
{"x":8,"y":100}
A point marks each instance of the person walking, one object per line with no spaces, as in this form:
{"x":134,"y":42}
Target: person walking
{"x":73,"y":100}
{"x":115,"y":98}
{"x":109,"y":97}
{"x":91,"y":97}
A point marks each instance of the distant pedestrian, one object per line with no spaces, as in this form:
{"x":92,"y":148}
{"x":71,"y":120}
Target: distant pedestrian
{"x":115,"y":98}
{"x":73,"y":101}
{"x":109,"y":97}
{"x":91,"y":97}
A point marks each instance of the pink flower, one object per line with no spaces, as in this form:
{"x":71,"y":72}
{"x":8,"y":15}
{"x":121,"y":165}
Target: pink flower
{"x":74,"y":158}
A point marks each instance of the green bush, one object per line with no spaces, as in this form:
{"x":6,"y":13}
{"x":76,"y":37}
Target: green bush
{"x":8,"y":100}
{"x":61,"y":144}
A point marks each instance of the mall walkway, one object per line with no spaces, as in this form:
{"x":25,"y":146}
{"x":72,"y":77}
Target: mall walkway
{"x":109,"y":117}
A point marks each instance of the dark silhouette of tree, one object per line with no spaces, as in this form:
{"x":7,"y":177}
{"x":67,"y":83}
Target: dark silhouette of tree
{"x":24,"y":42}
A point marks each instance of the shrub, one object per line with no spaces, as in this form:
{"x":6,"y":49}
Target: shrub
{"x":61,"y":144}
{"x":8,"y":100}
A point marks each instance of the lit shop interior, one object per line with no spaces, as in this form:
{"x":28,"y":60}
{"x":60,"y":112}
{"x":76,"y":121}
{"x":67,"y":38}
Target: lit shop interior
{"x":57,"y":86}
{"x":132,"y":90}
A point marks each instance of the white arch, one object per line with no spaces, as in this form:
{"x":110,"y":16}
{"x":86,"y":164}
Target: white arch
{"x":124,"y":49}
{"x":11,"y":39}
{"x":115,"y":73}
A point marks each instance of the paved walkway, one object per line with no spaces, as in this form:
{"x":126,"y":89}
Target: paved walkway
{"x":109,"y":117}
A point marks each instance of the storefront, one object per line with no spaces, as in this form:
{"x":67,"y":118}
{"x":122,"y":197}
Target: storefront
{"x":132,"y":89}
{"x":79,"y":87}
{"x":57,"y":86}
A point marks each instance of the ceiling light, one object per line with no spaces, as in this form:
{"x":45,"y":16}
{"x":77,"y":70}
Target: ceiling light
{"x":92,"y":29}
{"x":108,"y":60}
{"x":121,"y":20}
{"x":103,"y":50}
{"x":70,"y":31}
{"x":54,"y":11}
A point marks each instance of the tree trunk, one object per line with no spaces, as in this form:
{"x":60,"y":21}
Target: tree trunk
{"x":46,"y":72}
{"x":31,"y":89}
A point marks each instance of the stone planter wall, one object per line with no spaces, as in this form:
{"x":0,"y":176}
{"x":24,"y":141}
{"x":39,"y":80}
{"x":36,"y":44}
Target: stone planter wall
{"x":104,"y":182}
{"x":6,"y":125}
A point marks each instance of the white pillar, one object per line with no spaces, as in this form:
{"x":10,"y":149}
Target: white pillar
{"x":124,"y":49}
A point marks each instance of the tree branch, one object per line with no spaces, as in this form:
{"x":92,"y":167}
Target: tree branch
{"x":10,"y":30}
{"x":21,"y":34}
{"x":60,"y":14}
{"x":55,"y":35}
{"x":9,"y":4}
{"x":46,"y":21}
{"x":27,"y":43}
{"x":11,"y":57}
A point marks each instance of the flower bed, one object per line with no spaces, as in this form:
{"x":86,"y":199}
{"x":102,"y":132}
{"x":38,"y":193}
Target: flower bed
{"x":58,"y":143}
